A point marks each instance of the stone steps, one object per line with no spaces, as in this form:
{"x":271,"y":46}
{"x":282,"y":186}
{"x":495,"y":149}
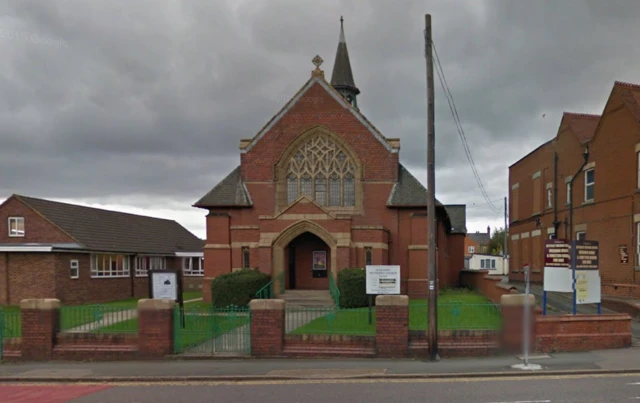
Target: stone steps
{"x":307,"y":298}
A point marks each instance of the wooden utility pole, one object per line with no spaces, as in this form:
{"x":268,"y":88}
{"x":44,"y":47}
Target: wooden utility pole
{"x":431,"y":197}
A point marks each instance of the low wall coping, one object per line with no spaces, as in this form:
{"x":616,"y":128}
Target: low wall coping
{"x":266,"y":305}
{"x":517,"y":300}
{"x":155,"y":304}
{"x":583,"y":317}
{"x":506,"y":286}
{"x":491,"y":277}
{"x":392,"y":300}
{"x":41,"y":304}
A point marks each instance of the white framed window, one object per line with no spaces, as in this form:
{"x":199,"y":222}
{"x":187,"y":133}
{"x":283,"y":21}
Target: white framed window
{"x":549,"y":198}
{"x":568,"y":192}
{"x":74,"y":269}
{"x":482,"y":263}
{"x":192,"y":266}
{"x":16,"y":226}
{"x":638,"y":170}
{"x":146,"y":263}
{"x":110,"y":266}
{"x":589,"y":184}
{"x":493,"y":263}
{"x":471,"y":249}
{"x":581,"y":235}
{"x":638,"y":243}
{"x":550,"y":236}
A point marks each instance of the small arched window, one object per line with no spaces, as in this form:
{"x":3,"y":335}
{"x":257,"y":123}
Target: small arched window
{"x":321,"y":170}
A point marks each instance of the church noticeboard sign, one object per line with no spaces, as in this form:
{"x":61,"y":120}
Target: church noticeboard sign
{"x":164,"y":285}
{"x":383,"y":280}
{"x":557,"y":253}
{"x":586,"y":255}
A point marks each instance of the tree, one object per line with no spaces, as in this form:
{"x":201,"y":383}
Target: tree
{"x":496,"y":243}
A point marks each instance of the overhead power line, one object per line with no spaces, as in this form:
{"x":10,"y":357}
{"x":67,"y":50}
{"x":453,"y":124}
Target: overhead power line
{"x":456,"y":118}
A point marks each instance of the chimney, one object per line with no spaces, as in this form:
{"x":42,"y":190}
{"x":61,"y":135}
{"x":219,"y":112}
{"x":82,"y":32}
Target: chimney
{"x":489,"y":231}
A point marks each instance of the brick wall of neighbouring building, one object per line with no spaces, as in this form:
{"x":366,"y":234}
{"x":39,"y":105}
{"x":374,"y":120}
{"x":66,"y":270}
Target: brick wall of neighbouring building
{"x":612,"y":218}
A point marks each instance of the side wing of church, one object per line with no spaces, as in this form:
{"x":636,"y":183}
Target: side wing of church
{"x":320,"y":189}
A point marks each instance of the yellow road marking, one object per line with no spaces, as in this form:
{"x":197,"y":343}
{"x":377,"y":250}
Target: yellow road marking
{"x":330,"y":381}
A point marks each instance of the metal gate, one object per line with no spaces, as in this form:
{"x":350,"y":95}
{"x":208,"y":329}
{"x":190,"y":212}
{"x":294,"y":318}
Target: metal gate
{"x":10,"y":327}
{"x":202,"y":330}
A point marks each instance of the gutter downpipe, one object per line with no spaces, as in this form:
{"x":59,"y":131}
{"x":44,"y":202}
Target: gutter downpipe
{"x":556,"y":223}
{"x":585,"y":155}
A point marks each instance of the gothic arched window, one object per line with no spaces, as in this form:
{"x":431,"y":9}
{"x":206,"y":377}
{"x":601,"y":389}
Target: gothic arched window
{"x":321,"y":170}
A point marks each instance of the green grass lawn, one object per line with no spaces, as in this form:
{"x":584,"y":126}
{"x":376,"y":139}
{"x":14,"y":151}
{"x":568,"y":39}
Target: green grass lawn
{"x":187,"y":295}
{"x":457,"y":310}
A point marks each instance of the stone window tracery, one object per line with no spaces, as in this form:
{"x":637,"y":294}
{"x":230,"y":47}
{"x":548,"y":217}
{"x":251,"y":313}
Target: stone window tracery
{"x":321,"y":170}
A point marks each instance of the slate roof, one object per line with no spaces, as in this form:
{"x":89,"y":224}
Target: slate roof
{"x":481,"y":238}
{"x":408,"y":191}
{"x":458,"y":217}
{"x":112,"y":231}
{"x":229,"y":192}
{"x":342,"y":75}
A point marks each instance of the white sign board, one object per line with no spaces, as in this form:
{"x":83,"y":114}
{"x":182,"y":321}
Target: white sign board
{"x":383,"y":280}
{"x":587,"y":287}
{"x":558,"y":279}
{"x":165,"y":285}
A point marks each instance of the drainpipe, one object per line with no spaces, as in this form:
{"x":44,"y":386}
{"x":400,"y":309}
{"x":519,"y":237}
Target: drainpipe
{"x":556,"y":223}
{"x":585,"y":155}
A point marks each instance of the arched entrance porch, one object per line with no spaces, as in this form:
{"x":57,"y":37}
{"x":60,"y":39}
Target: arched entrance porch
{"x":293,"y":256}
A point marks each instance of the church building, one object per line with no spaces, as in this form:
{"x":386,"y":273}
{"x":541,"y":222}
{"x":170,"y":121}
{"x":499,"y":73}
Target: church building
{"x":320,"y":189}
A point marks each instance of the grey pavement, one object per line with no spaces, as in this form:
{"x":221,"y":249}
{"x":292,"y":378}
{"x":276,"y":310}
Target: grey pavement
{"x":607,"y":360}
{"x":591,"y":389}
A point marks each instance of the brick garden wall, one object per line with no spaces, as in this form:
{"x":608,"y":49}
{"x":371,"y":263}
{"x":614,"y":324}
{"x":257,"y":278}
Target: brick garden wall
{"x":41,"y":340}
{"x":489,"y":286}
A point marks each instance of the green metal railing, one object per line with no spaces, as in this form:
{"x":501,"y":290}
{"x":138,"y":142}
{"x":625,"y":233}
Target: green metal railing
{"x":334,"y":290}
{"x":267,"y":292}
{"x":208,"y":330}
{"x":329,"y":320}
{"x":457,"y":316}
{"x":98,"y":319}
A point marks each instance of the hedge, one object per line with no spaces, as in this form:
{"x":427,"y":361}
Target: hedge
{"x":353,"y":288}
{"x":237,"y":288}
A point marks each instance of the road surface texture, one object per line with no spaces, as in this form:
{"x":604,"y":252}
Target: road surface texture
{"x":577,"y":389}
{"x":562,"y":303}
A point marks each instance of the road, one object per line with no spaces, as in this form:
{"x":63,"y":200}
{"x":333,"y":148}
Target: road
{"x":578,"y":389}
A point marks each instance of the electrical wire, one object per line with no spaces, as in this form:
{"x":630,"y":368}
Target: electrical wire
{"x":456,"y":118}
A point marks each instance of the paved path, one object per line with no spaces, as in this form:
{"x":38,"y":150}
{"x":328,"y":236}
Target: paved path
{"x":581,"y":389}
{"x":623,"y":359}
{"x":115,"y":316}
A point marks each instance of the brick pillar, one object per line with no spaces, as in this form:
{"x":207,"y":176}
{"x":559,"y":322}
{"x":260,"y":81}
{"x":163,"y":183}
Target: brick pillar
{"x":267,"y":327}
{"x":512,"y":306}
{"x":155,"y":327}
{"x":40,"y":323}
{"x":392,"y":326}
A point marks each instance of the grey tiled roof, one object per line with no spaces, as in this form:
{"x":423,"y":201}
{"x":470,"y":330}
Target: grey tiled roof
{"x":458,"y":216}
{"x":229,"y":192}
{"x":481,"y":238}
{"x":114,"y":231}
{"x":408,"y":191}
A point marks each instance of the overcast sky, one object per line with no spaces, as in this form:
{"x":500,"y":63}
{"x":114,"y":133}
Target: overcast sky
{"x":139,"y":105}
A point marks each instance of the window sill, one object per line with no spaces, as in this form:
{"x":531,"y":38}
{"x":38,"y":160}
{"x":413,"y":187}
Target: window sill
{"x":110,"y":277}
{"x":74,"y":278}
{"x":536,"y":214}
{"x":586,"y":202}
{"x":16,"y":236}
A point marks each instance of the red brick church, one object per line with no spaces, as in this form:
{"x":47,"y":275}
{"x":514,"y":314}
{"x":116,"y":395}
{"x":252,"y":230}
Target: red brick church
{"x":320,"y":189}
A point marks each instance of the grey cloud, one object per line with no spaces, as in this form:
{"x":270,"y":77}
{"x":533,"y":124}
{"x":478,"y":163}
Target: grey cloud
{"x":147,"y":100}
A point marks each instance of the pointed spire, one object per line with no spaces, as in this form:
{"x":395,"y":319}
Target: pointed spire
{"x":342,"y":76}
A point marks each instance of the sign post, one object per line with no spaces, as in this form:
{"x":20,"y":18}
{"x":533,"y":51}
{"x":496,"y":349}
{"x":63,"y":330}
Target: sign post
{"x":381,"y":280}
{"x":526,"y":327}
{"x":167,"y":284}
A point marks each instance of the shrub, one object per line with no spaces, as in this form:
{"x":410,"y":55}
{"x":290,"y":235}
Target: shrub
{"x":237,"y":288}
{"x":353,"y":288}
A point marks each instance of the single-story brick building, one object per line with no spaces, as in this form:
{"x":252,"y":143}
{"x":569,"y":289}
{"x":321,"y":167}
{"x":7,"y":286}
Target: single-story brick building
{"x":82,"y":254}
{"x":320,"y":189}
